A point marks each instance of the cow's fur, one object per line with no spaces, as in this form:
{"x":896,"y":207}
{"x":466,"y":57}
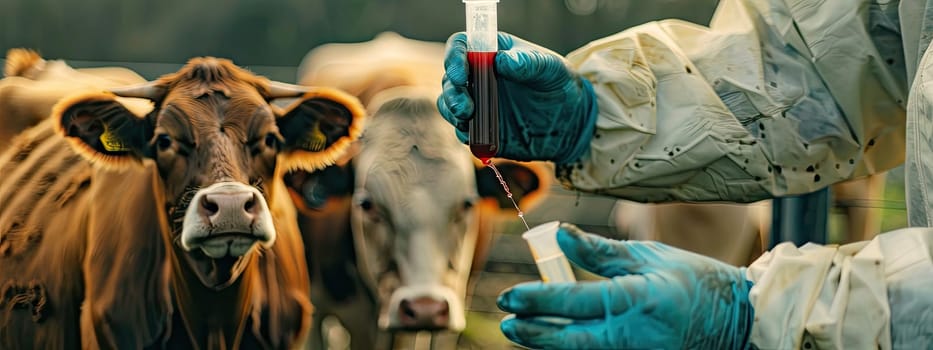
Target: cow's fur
{"x":33,"y":85}
{"x":417,"y":180}
{"x":89,"y":227}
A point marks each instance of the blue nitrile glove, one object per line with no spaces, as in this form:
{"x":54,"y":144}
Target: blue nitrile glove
{"x":657,"y":297}
{"x":546,"y":111}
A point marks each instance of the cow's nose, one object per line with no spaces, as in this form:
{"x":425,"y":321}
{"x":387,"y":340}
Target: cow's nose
{"x":237,"y":207}
{"x":424,"y":313}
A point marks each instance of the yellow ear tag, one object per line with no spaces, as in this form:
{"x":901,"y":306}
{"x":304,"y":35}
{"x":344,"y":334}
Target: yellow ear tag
{"x":111,"y":142}
{"x":316,"y":141}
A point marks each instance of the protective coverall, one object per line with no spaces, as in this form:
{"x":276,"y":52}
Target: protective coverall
{"x":779,"y":98}
{"x":774,"y":98}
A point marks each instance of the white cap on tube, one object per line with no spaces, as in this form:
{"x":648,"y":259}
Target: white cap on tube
{"x":542,"y":240}
{"x":481,"y":26}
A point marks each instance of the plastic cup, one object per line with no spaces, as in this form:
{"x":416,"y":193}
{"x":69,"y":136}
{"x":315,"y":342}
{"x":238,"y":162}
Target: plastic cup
{"x":551,"y":261}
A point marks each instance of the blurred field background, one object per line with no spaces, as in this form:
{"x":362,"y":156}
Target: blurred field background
{"x":270,"y":37}
{"x":275,"y":34}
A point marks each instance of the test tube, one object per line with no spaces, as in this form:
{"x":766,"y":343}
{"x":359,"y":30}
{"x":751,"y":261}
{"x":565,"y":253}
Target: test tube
{"x":552,"y":264}
{"x":482,"y":44}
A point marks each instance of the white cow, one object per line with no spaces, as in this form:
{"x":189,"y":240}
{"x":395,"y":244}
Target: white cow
{"x":418,"y":204}
{"x":414,"y":221}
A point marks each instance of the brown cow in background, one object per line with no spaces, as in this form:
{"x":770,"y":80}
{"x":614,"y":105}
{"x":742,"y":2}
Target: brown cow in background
{"x":392,"y":233}
{"x":170,"y":229}
{"x":32,"y":85}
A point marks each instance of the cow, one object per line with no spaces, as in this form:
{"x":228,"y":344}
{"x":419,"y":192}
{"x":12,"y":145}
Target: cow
{"x":32,"y":85}
{"x":168,"y":229}
{"x":394,"y":228}
{"x":730,"y":232}
{"x":739,"y":233}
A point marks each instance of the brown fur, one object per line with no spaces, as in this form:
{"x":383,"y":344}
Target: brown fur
{"x":33,"y":85}
{"x":20,"y":61}
{"x":303,"y":160}
{"x":88,"y":253}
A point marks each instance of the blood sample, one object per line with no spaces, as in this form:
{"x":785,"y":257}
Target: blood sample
{"x":482,"y":44}
{"x":521,"y":214}
{"x":484,"y":127}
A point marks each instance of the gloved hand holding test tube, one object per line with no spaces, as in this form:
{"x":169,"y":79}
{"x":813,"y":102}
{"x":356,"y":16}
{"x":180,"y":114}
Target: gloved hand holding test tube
{"x":482,"y":45}
{"x":510,"y":98}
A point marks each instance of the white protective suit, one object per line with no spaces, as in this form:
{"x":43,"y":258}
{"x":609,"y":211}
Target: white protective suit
{"x":775,"y":98}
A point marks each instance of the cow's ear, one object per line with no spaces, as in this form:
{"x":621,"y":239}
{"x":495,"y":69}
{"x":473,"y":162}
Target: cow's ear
{"x":527,"y":182}
{"x":319,"y":127}
{"x":102,"y":129}
{"x":311,"y":191}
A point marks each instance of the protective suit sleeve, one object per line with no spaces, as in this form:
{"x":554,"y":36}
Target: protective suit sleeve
{"x":862,"y":295}
{"x":918,"y":169}
{"x":774,"y":98}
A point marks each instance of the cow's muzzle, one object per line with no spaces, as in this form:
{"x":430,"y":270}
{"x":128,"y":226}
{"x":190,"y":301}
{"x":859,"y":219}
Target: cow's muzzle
{"x":227,"y":219}
{"x":423,"y":308}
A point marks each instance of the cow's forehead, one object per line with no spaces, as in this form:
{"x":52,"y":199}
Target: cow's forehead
{"x":211,"y":91}
{"x":202,"y":74}
{"x":391,"y":180}
{"x":416,"y":170}
{"x":208,"y":75}
{"x":408,"y":147}
{"x":215,"y":109}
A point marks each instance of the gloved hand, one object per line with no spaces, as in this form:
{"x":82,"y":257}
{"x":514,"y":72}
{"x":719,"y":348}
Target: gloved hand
{"x":657,"y":297}
{"x":546,"y":111}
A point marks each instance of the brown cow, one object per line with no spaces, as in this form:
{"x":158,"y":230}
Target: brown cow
{"x":171,"y":229}
{"x":393,"y":232}
{"x":32,"y":85}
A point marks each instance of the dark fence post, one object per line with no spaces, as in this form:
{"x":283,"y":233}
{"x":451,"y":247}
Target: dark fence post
{"x":801,"y":219}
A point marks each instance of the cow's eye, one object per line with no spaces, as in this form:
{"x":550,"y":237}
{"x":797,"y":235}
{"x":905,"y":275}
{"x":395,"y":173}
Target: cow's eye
{"x":373,"y":214}
{"x":463,"y":211}
{"x":271,"y":140}
{"x":366,"y":204}
{"x":163,"y":142}
{"x":372,"y":211}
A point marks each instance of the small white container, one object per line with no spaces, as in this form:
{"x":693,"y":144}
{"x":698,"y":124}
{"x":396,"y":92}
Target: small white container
{"x":552,"y":263}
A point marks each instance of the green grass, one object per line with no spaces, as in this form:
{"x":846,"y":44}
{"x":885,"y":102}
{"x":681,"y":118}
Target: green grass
{"x":893,"y":208}
{"x":483,"y":332}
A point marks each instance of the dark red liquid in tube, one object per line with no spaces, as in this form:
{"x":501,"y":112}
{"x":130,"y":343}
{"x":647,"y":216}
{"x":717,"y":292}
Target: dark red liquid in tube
{"x":483,"y":86}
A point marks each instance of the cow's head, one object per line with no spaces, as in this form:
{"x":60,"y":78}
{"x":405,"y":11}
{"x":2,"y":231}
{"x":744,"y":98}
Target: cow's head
{"x":218,"y":144}
{"x":414,"y":214}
